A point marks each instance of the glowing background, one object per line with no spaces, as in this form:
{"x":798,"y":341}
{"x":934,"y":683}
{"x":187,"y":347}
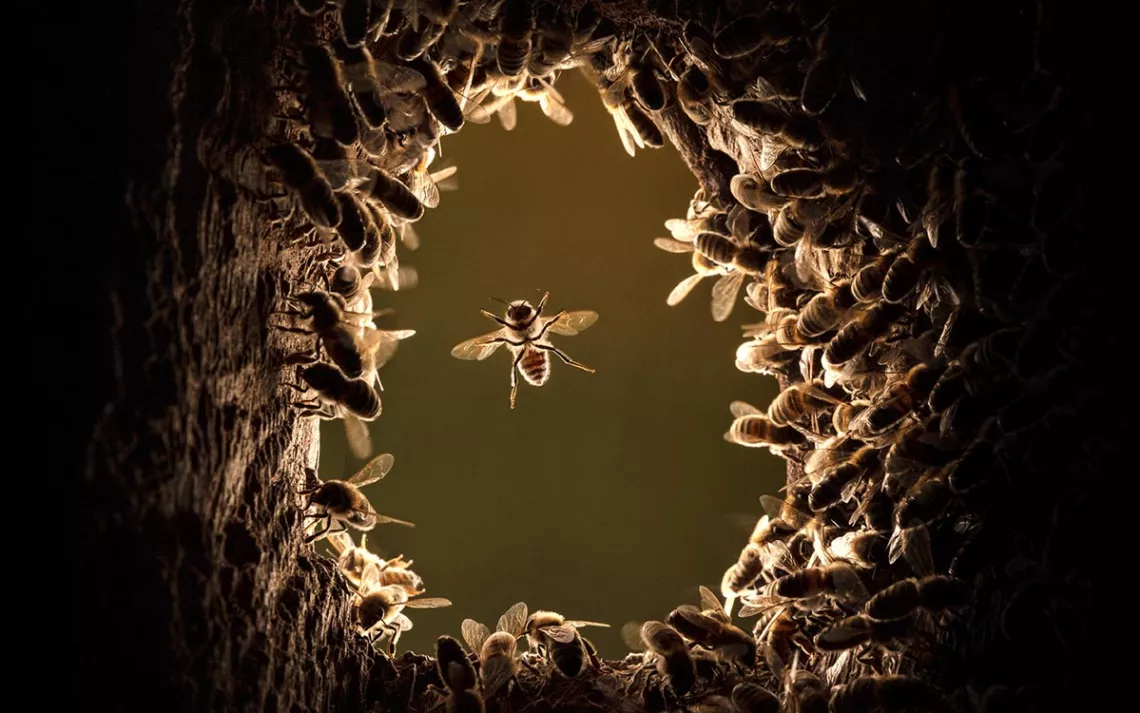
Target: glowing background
{"x":606,"y":496}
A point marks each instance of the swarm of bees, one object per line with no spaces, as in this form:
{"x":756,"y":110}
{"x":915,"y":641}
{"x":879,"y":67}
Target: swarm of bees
{"x":908,"y":257}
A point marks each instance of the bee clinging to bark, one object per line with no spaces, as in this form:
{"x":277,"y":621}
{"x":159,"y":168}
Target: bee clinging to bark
{"x":354,"y":400}
{"x":934,"y":593}
{"x":752,"y":428}
{"x":458,"y":675}
{"x":524,"y":332}
{"x":558,"y":637}
{"x":668,"y":650}
{"x":379,"y":607}
{"x":497,"y":659}
{"x":339,"y":503}
{"x":301,"y":174}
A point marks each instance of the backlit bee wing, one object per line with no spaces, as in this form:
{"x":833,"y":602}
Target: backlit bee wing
{"x":670,"y":245}
{"x":428,"y":603}
{"x":356,"y":433}
{"x":474,"y":633}
{"x":424,"y":188}
{"x":740,"y":409}
{"x":682,"y":290}
{"x":513,"y":621}
{"x":631,"y":635}
{"x":563,"y":633}
{"x":408,"y":236}
{"x":571,"y":323}
{"x":508,"y":114}
{"x":390,"y":78}
{"x":685,"y":230}
{"x":710,"y":600}
{"x":388,"y":520}
{"x":554,"y":106}
{"x":577,"y":624}
{"x":778,"y":509}
{"x":374,"y":470}
{"x":724,"y":294}
{"x":477,"y":348}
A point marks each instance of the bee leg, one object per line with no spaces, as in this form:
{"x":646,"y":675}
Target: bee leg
{"x":562,"y":355}
{"x":546,"y":326}
{"x":515,"y":378}
{"x":320,"y":534}
{"x":495,"y":317}
{"x":303,"y":358}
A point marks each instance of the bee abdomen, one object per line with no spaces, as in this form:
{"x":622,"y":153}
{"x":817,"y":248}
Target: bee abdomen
{"x":568,"y":658}
{"x":535,"y":367}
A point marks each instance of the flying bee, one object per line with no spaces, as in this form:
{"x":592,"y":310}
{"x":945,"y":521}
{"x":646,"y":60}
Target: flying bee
{"x":752,"y":428}
{"x":867,"y":285}
{"x":728,"y":642}
{"x":885,"y":693}
{"x":752,"y":698}
{"x":329,"y":108}
{"x":378,"y":608}
{"x":354,"y":400}
{"x":558,"y":637}
{"x":390,"y":192}
{"x":497,"y":660}
{"x":524,"y":332}
{"x":855,"y":631}
{"x":515,"y":26}
{"x":668,"y":650}
{"x":339,"y":503}
{"x":858,"y":333}
{"x":756,"y":194}
{"x":934,"y":593}
{"x":301,"y":174}
{"x":693,"y":92}
{"x":838,"y":580}
{"x":458,"y":676}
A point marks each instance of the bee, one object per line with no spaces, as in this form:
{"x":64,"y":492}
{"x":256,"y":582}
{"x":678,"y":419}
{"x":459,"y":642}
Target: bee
{"x":778,"y":129}
{"x":647,"y":87}
{"x":497,"y":664}
{"x":354,"y":400}
{"x":635,"y":128}
{"x":552,"y":48}
{"x":458,"y":675}
{"x":559,"y":639}
{"x":426,"y":187}
{"x":867,"y":285}
{"x":858,"y":333}
{"x":440,"y":99}
{"x":339,"y":503}
{"x":349,"y":283}
{"x":669,"y":650}
{"x":897,"y":401}
{"x":845,"y":413}
{"x":390,"y":192}
{"x":854,"y":631}
{"x":823,"y":311}
{"x":974,"y":466}
{"x":515,"y":26}
{"x":693,"y":92}
{"x":764,"y":356}
{"x":524,"y":332}
{"x":838,"y":580}
{"x":417,"y":38}
{"x":824,"y":77}
{"x":740,"y":38}
{"x":866,"y":548}
{"x":717,"y":248}
{"x":806,"y":692}
{"x":751,"y":698}
{"x":798,"y":401}
{"x":725,"y":289}
{"x":907,"y":269}
{"x":549,"y":99}
{"x":752,"y":428}
{"x":329,"y":108}
{"x":378,"y":608}
{"x":351,"y":560}
{"x":925,"y":501}
{"x":728,"y":642}
{"x":302,"y":175}
{"x":837,"y":480}
{"x":934,"y":593}
{"x":884,"y":693}
{"x":756,"y":194}
{"x":355,"y":18}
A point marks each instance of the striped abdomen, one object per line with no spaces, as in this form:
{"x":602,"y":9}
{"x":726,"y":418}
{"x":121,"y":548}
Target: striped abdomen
{"x":535,"y":366}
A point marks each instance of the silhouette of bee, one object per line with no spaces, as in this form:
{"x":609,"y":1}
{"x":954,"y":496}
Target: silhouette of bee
{"x":667,"y":649}
{"x":339,"y":503}
{"x":458,"y":676}
{"x":855,"y":631}
{"x":354,"y":400}
{"x":934,"y":593}
{"x":515,"y":26}
{"x":857,"y":334}
{"x":302,"y":175}
{"x":729,"y":643}
{"x":329,"y":109}
{"x":558,"y":637}
{"x":752,"y":698}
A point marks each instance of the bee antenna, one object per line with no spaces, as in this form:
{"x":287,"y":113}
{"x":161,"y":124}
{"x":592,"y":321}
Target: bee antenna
{"x":496,"y":299}
{"x":532,"y":294}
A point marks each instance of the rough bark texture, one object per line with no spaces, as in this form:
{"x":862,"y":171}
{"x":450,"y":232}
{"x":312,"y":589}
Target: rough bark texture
{"x":206,"y":598}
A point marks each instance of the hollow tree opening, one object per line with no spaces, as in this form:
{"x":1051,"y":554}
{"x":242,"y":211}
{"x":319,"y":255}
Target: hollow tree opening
{"x":935,"y":171}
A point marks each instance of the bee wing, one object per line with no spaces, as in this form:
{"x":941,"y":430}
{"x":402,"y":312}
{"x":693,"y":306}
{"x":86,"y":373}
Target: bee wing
{"x":428,"y":603}
{"x":476,"y":113}
{"x":683,"y":230}
{"x":579,"y":624}
{"x":629,"y":136}
{"x":370,"y":577}
{"x":563,"y":633}
{"x":508,"y":114}
{"x":671,"y":245}
{"x":555,"y":109}
{"x":513,"y":621}
{"x":474,"y":634}
{"x":571,"y":323}
{"x":402,"y":622}
{"x":844,"y":634}
{"x":402,"y":278}
{"x":477,"y":348}
{"x":373,"y":470}
{"x":696,"y":618}
{"x":631,"y":635}
{"x":709,"y":600}
{"x":424,"y":188}
{"x":682,"y":290}
{"x":445,"y":179}
{"x":385,"y":519}
{"x":743,"y":408}
{"x":341,"y":542}
{"x":408,"y":236}
{"x":770,"y":152}
{"x":391,"y":78}
{"x":913,"y":545}
{"x":356,"y":432}
{"x":724,"y":295}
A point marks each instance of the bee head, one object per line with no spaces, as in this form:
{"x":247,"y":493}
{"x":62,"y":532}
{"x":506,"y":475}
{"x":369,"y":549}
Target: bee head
{"x":520,"y":312}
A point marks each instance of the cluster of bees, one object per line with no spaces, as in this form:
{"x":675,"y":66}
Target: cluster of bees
{"x":900,"y":276}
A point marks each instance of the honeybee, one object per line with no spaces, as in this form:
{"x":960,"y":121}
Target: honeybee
{"x":925,"y":500}
{"x":897,"y":401}
{"x":390,"y":192}
{"x":458,"y":675}
{"x":668,"y":650}
{"x":524,"y":332}
{"x":854,"y":631}
{"x":378,"y":608}
{"x":739,"y":578}
{"x":756,"y":194}
{"x":728,"y":642}
{"x":806,"y":692}
{"x":838,"y":580}
{"x":302,"y":175}
{"x":351,"y":560}
{"x":935,"y":593}
{"x":355,"y":18}
{"x":549,"y":100}
{"x":496,"y":651}
{"x":905,"y":271}
{"x":339,"y":503}
{"x":823,"y":311}
{"x":867,"y":285}
{"x":515,"y":27}
{"x":740,"y":38}
{"x":426,"y":186}
{"x":884,"y":693}
{"x":725,"y":290}
{"x":752,"y":428}
{"x":558,"y":637}
{"x":836,"y":481}
{"x":751,"y":698}
{"x":857,"y":334}
{"x":354,"y":400}
{"x":693,"y":92}
{"x":329,"y":108}
{"x":798,"y":401}
{"x":974,"y":466}
{"x":867,"y":548}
